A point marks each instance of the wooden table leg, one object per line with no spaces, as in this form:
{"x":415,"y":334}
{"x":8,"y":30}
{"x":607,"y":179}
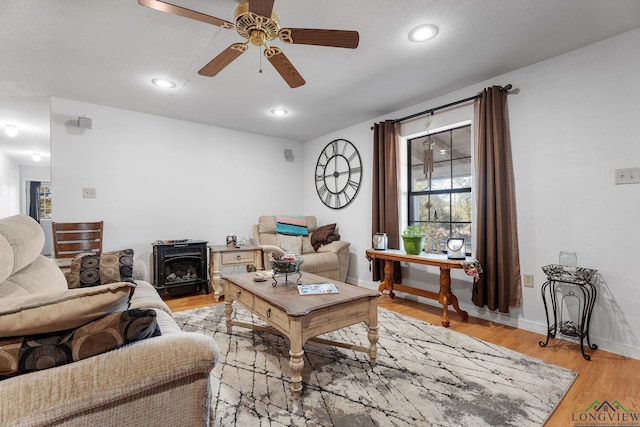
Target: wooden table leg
{"x":373,"y":331}
{"x":447,"y":297}
{"x":296,"y":359}
{"x":228,"y":309}
{"x":387,"y":282}
{"x":214,"y":275}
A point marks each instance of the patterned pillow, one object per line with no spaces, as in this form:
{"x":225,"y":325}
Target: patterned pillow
{"x":109,"y":267}
{"x":21,"y":355}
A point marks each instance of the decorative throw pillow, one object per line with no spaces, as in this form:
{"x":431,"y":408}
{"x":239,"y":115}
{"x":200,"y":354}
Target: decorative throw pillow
{"x":292,"y":225}
{"x":324,"y":235}
{"x":57,"y":311}
{"x":108,"y":267}
{"x":20,"y":355}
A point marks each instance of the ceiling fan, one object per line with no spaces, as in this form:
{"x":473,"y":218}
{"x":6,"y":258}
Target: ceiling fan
{"x":256,"y":21}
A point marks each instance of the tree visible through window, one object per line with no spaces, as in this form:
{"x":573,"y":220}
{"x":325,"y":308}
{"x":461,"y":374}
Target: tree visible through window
{"x":440,"y":183}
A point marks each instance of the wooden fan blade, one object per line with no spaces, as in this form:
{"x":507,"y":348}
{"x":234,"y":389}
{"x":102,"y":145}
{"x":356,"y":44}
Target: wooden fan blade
{"x":317,"y":37}
{"x":225,"y":58}
{"x":286,"y":69}
{"x":163,"y":6}
{"x":261,"y":7}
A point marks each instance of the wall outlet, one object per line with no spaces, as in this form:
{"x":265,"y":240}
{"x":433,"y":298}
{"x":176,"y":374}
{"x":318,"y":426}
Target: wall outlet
{"x":628,"y":176}
{"x":89,"y":193}
{"x":528,"y":280}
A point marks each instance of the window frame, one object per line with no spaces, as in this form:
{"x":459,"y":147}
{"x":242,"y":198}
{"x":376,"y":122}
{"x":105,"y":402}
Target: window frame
{"x":412,"y":194}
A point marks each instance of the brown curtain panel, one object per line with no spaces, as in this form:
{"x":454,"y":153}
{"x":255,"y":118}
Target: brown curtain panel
{"x":499,"y":286}
{"x":385,"y":217}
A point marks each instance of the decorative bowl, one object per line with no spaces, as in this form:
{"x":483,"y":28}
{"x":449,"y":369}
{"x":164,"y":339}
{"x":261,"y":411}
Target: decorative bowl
{"x":284,"y":266}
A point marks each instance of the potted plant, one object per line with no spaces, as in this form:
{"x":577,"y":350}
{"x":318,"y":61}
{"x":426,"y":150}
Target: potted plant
{"x":413,"y":239}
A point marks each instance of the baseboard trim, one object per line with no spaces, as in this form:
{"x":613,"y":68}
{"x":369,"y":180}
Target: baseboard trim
{"x":505,"y":319}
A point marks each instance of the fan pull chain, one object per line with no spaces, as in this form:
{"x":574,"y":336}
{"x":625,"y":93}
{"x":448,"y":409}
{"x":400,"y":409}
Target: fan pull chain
{"x":260,"y":54}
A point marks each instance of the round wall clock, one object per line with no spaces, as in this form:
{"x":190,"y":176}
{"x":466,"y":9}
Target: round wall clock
{"x":338,"y":173}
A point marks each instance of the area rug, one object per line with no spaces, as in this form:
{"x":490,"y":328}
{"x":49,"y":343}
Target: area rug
{"x":425,"y":375}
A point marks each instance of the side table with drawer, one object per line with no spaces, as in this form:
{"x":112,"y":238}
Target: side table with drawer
{"x":228,"y":256}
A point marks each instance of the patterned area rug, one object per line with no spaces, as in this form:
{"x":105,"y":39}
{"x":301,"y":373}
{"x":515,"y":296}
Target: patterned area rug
{"x":425,"y":376}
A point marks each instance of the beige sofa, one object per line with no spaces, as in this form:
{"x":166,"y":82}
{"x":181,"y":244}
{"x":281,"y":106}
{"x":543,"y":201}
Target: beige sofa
{"x":158,"y":381}
{"x":330,"y":260}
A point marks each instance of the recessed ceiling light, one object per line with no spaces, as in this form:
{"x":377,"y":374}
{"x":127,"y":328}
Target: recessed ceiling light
{"x":279,"y":112}
{"x":164,"y":83}
{"x":11,"y":130}
{"x":423,"y":33}
{"x":36,"y":157}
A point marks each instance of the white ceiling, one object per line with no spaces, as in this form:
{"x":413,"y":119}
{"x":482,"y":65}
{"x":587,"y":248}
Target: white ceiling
{"x":107,"y":51}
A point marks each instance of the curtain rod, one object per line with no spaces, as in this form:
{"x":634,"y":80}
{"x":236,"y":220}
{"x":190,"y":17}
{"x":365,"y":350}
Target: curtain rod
{"x":506,"y":88}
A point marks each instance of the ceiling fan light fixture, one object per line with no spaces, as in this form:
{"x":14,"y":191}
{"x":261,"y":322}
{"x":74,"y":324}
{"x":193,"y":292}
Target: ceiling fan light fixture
{"x":163,"y":83}
{"x":279,"y":112}
{"x":258,"y":24}
{"x":247,"y":23}
{"x":11,"y":130}
{"x":423,"y":33}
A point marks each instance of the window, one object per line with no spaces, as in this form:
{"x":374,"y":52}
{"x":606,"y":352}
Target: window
{"x":440,"y":189}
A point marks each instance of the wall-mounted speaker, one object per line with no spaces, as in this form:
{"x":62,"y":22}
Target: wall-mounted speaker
{"x":288,"y":155}
{"x":84,"y":123}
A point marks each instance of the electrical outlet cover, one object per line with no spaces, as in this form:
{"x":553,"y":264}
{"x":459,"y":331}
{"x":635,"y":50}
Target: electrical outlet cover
{"x":627,"y":176}
{"x":89,"y":193}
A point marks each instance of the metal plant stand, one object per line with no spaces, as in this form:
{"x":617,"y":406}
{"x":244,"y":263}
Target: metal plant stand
{"x":581,"y":280}
{"x":286,"y":278}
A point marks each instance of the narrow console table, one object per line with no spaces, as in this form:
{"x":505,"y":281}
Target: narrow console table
{"x":445,"y":296}
{"x":583,"y":280}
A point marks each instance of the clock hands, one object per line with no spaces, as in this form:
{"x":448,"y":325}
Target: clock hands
{"x":335,"y":174}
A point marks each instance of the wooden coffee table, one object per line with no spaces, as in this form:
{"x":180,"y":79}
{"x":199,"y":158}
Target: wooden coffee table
{"x":302,"y":318}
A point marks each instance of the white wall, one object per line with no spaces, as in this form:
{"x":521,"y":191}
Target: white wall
{"x":159,"y":178}
{"x":9,"y":187}
{"x":573,"y":122}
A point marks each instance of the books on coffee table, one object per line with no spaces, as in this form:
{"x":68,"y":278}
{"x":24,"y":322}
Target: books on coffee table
{"x":318,"y":288}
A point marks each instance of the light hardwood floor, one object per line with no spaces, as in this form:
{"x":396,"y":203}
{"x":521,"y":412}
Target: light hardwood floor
{"x":606,"y":377}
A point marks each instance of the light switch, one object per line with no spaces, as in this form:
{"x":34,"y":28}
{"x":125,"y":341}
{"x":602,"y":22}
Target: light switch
{"x":528,"y":280}
{"x":89,"y":193}
{"x":628,"y":176}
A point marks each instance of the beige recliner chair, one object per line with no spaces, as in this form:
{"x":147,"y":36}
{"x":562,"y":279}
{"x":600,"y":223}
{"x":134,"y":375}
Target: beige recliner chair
{"x":330,"y":259}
